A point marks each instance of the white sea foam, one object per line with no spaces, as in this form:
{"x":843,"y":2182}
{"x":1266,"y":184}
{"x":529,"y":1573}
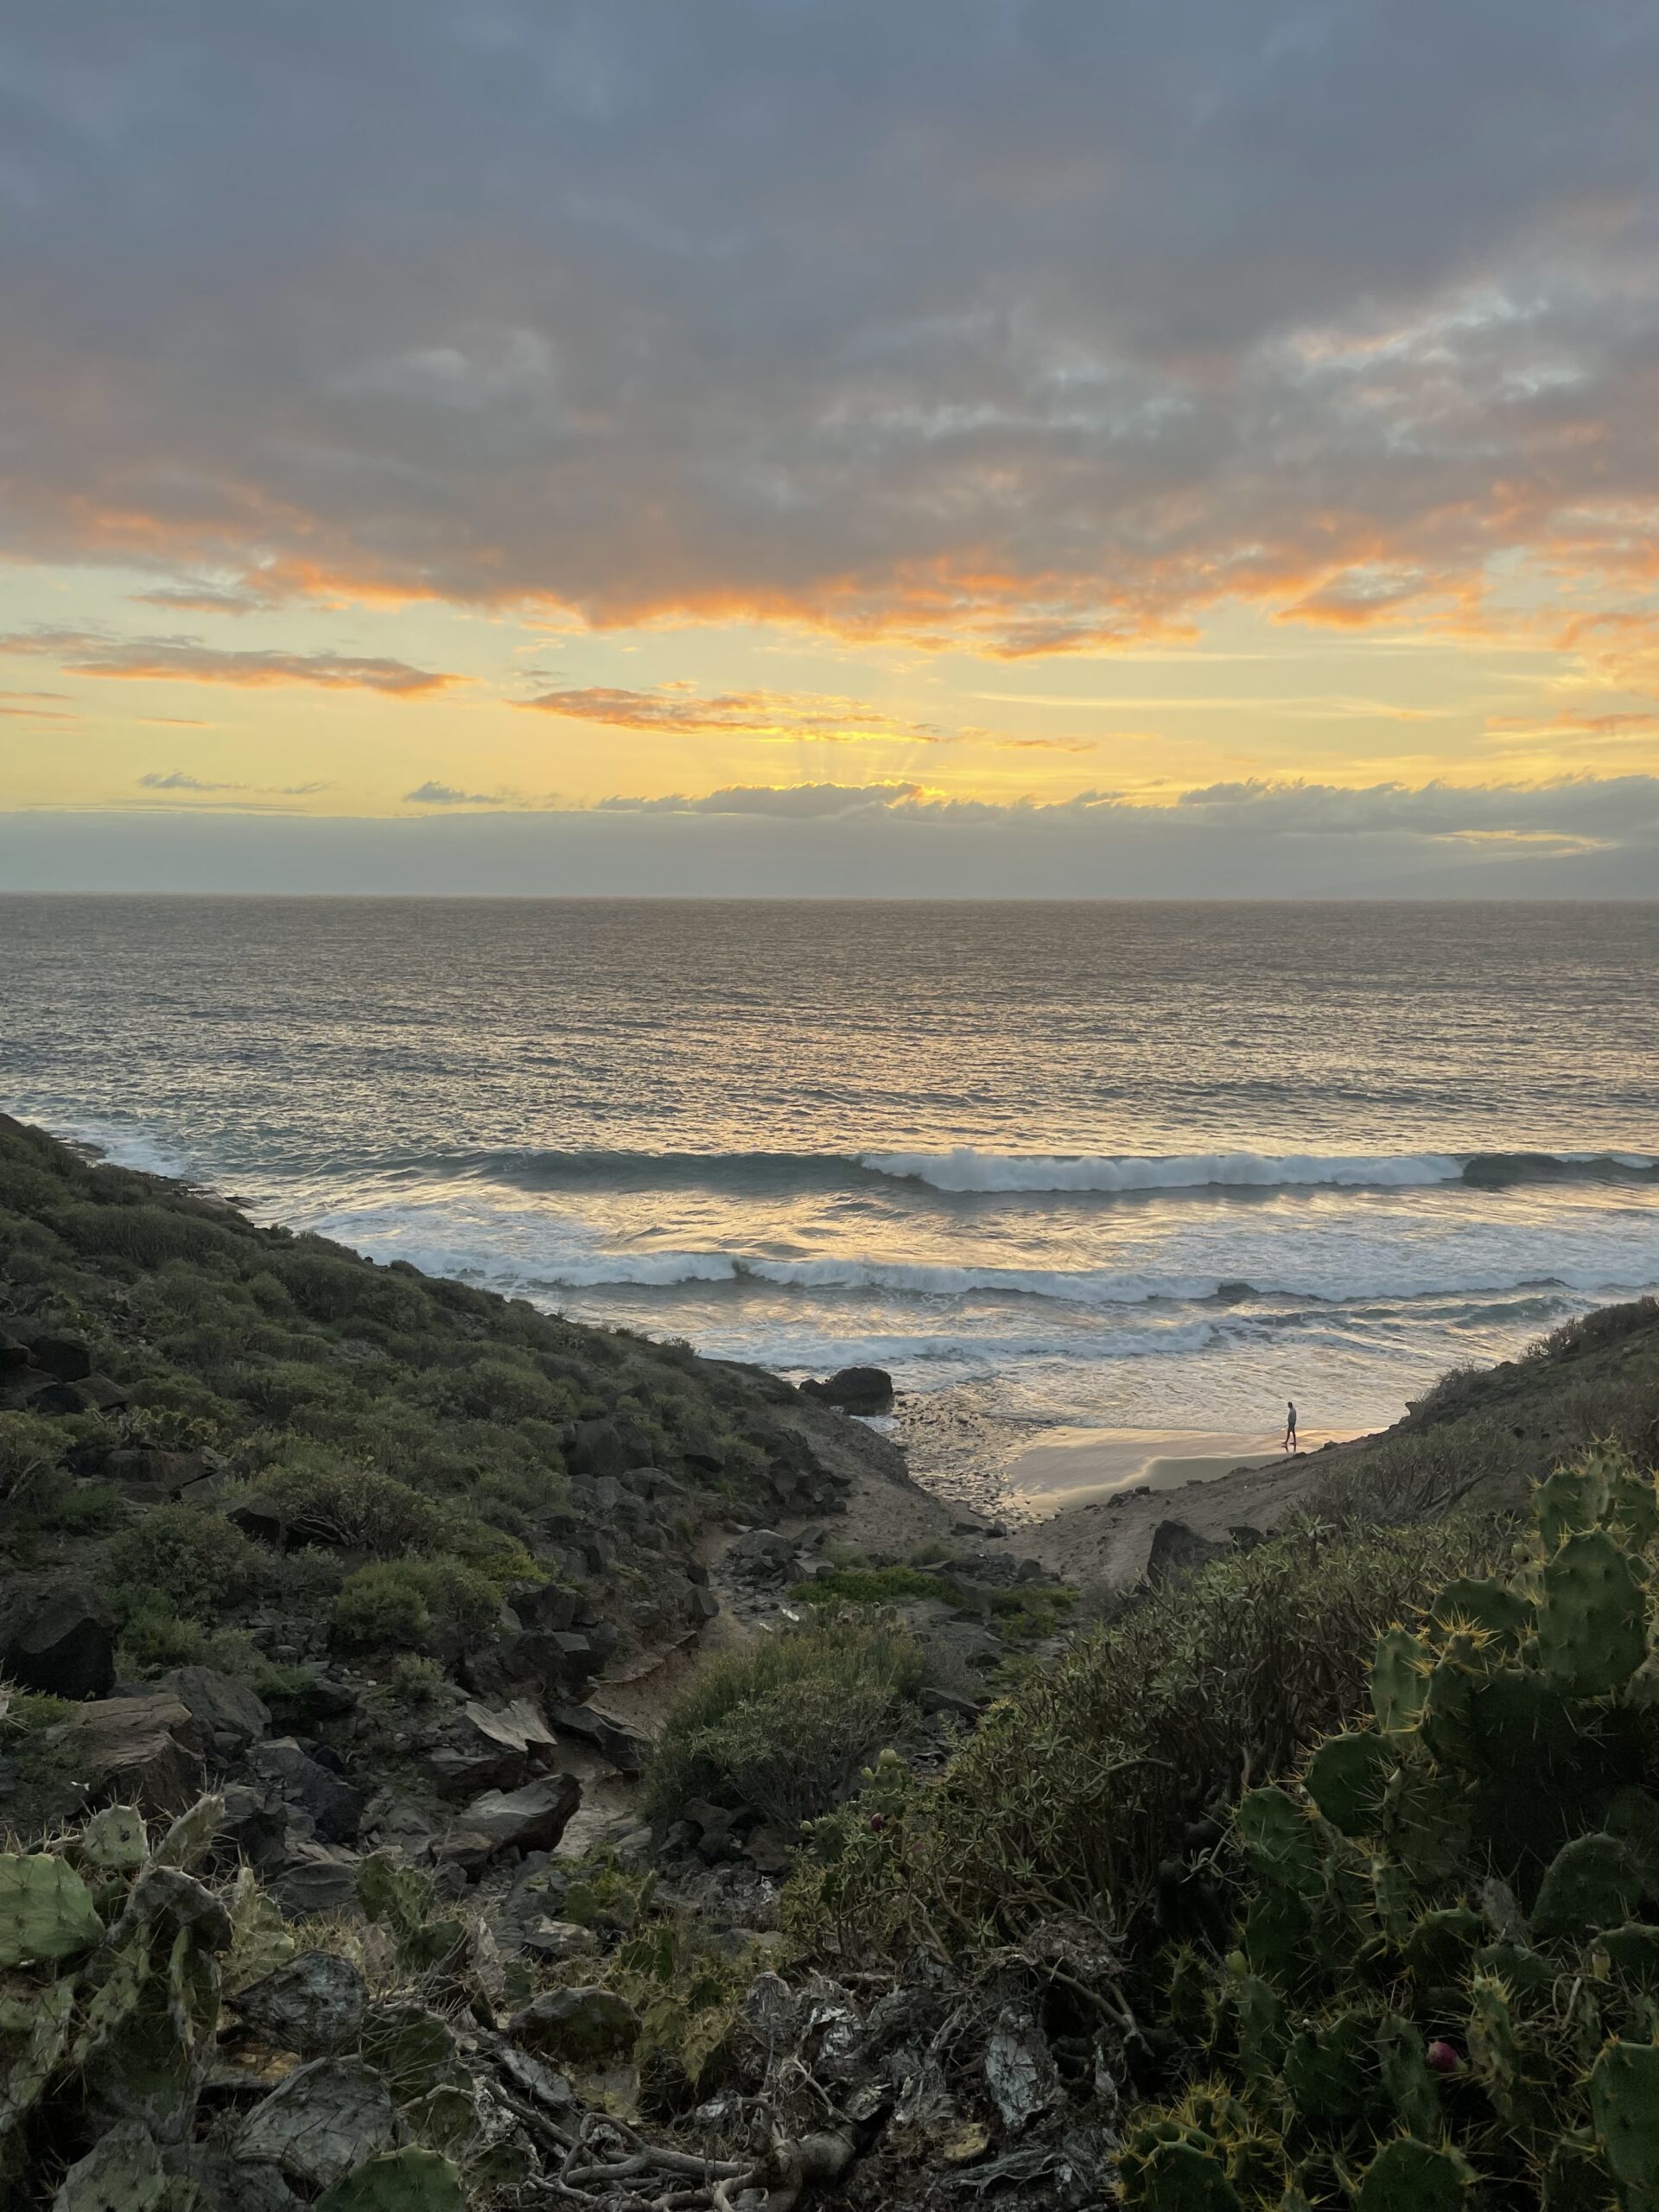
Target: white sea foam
{"x":964,"y":1168}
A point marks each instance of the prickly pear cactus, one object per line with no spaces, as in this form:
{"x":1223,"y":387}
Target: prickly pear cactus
{"x":1448,"y":1961}
{"x":113,"y":1840}
{"x":399,"y":2181}
{"x":45,"y":1911}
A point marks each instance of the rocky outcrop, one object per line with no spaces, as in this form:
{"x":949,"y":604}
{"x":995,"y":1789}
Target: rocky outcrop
{"x":854,"y":1390}
{"x":56,"y":1635}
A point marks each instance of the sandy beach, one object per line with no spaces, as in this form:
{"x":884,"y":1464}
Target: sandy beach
{"x":1068,"y":1466}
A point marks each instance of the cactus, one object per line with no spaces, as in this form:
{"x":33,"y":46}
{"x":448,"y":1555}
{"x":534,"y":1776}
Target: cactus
{"x":1279,"y":1842}
{"x":1408,"y":2084}
{"x":1438,"y":1949}
{"x":32,"y":2037}
{"x":1502,"y":1614}
{"x":123,"y":2173}
{"x":1331,"y":2071}
{"x":1632,"y":1952}
{"x":1406,"y":2175}
{"x":1346,"y":1777}
{"x":113,"y":1840}
{"x":1624,"y":2103}
{"x":1399,"y":1680}
{"x":1426,"y":1822}
{"x":45,"y":1911}
{"x":1493,"y":2050}
{"x":398,"y":2181}
{"x":1594,"y":1882}
{"x":1176,"y":2176}
{"x":1593,"y":1620}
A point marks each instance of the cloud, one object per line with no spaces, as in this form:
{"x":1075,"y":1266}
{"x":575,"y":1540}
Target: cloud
{"x":186,"y":660}
{"x":432,"y":794}
{"x":1578,"y":837}
{"x":176,"y":780}
{"x":678,"y":707}
{"x":1042,"y":327}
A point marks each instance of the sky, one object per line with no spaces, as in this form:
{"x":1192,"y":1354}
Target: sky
{"x":1087,"y":448}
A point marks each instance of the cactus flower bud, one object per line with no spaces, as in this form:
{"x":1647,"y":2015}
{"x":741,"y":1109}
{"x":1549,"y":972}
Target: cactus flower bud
{"x":1442,"y":2057}
{"x":878,"y":1821}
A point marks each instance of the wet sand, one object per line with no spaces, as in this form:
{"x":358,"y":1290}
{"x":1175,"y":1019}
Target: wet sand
{"x":1068,"y":1466}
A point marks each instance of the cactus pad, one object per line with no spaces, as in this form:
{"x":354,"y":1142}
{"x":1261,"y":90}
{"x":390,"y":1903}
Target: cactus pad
{"x":113,"y":1840}
{"x":1345,"y":1778}
{"x":1406,"y":2175}
{"x":1594,"y":1882}
{"x":1279,"y":1841}
{"x":1503,"y":1614}
{"x":400,"y":2181}
{"x":45,"y":1911}
{"x":1593,"y":1620}
{"x":1624,"y":2101}
{"x":1399,"y":1680}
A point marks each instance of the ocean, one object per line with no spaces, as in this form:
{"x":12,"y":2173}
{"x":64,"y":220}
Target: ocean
{"x":1149,"y":1166}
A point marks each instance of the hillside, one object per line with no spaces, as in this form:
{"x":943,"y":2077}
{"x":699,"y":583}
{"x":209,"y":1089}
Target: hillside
{"x":922,"y":1894}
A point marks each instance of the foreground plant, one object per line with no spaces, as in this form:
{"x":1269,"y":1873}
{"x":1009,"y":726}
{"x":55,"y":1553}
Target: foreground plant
{"x":1446,"y":1979}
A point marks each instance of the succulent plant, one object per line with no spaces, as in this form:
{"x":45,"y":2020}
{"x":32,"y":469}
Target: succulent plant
{"x":47,"y":1911}
{"x":398,"y":2181}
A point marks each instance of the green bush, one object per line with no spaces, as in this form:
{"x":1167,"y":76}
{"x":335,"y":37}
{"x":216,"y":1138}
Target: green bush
{"x":1075,"y":1787}
{"x":1441,"y":1971}
{"x":783,"y":1726}
{"x":507,"y":1389}
{"x":194,"y":1558}
{"x":354,"y":1507}
{"x":394,"y":1604}
{"x":31,"y":1448}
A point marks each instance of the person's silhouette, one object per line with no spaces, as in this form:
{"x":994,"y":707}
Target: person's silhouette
{"x":1291,"y":1444}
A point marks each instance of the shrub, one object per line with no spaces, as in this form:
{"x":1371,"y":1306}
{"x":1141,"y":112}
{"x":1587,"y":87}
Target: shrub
{"x":150,"y":1234}
{"x":507,"y":1389}
{"x":196,"y":1559}
{"x":1074,"y":1789}
{"x":356,"y":1507}
{"x":1369,"y":2022}
{"x":381,"y":1608}
{"x":31,"y":1448}
{"x":783,"y":1726}
{"x":153,"y":1638}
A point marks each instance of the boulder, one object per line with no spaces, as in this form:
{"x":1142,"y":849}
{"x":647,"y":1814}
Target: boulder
{"x":303,"y":1783}
{"x":93,"y":1394}
{"x":226,"y":1711}
{"x":315,"y":2004}
{"x":530,"y":1819}
{"x":69,"y":1359}
{"x":323,"y":2121}
{"x":1178,"y":1550}
{"x":625,"y":1748}
{"x":854,"y":1390}
{"x":316,"y":1884}
{"x":553,"y":1941}
{"x":556,"y":1660}
{"x":56,"y":1635}
{"x":552,"y":1606}
{"x":144,"y":1473}
{"x":578,"y":2027}
{"x":596,"y":1447}
{"x":138,"y":1751}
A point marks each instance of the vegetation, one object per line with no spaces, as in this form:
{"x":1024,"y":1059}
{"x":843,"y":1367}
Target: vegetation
{"x":1443,"y":1971}
{"x":1077,"y":1786}
{"x":395,"y":1444}
{"x":783,"y":1726}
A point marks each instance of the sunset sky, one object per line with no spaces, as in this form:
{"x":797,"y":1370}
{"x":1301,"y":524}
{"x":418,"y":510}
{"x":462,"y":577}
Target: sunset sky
{"x":1089,"y":446}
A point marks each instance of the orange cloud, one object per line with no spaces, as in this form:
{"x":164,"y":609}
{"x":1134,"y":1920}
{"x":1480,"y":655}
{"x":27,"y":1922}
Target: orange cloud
{"x":183,"y":660}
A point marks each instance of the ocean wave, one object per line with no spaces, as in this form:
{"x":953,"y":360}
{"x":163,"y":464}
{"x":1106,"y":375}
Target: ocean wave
{"x":965,"y":1169}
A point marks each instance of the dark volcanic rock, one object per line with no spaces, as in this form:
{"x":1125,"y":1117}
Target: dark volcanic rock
{"x":1177,"y":1550}
{"x":334,"y":1808}
{"x":625,"y":1747}
{"x":68,"y":1358}
{"x":138,"y":1751}
{"x":315,"y":2004}
{"x":530,"y":1819}
{"x":856,"y":1390}
{"x":56,"y":1635}
{"x":580,"y":2027}
{"x":225,"y":1710}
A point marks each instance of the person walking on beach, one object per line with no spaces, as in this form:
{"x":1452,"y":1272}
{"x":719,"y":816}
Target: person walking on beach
{"x":1290,"y":1425}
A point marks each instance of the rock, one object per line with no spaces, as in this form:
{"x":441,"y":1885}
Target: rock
{"x":228,"y":1714}
{"x":554,"y":1941}
{"x":140,"y":1751}
{"x":67,"y":1358}
{"x":1179,"y":1550}
{"x":313,"y":1887}
{"x":56,"y":1635}
{"x":253,"y":1826}
{"x":551,"y":1606}
{"x":856,"y":1390}
{"x":762,"y":1555}
{"x":596,"y":1448}
{"x":226,"y":2184}
{"x":315,"y":2004}
{"x":459,"y":1775}
{"x":94,"y":1394}
{"x":579,"y":2027}
{"x":334,"y":1807}
{"x":768,"y":1849}
{"x":1019,"y":2069}
{"x":144,"y":1474}
{"x":516,"y":1727}
{"x":558,"y":1661}
{"x":712,"y":1826}
{"x":625,"y":1748}
{"x":530,"y":1819}
{"x":702,"y":1605}
{"x":950,"y":1701}
{"x":326,"y":2119}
